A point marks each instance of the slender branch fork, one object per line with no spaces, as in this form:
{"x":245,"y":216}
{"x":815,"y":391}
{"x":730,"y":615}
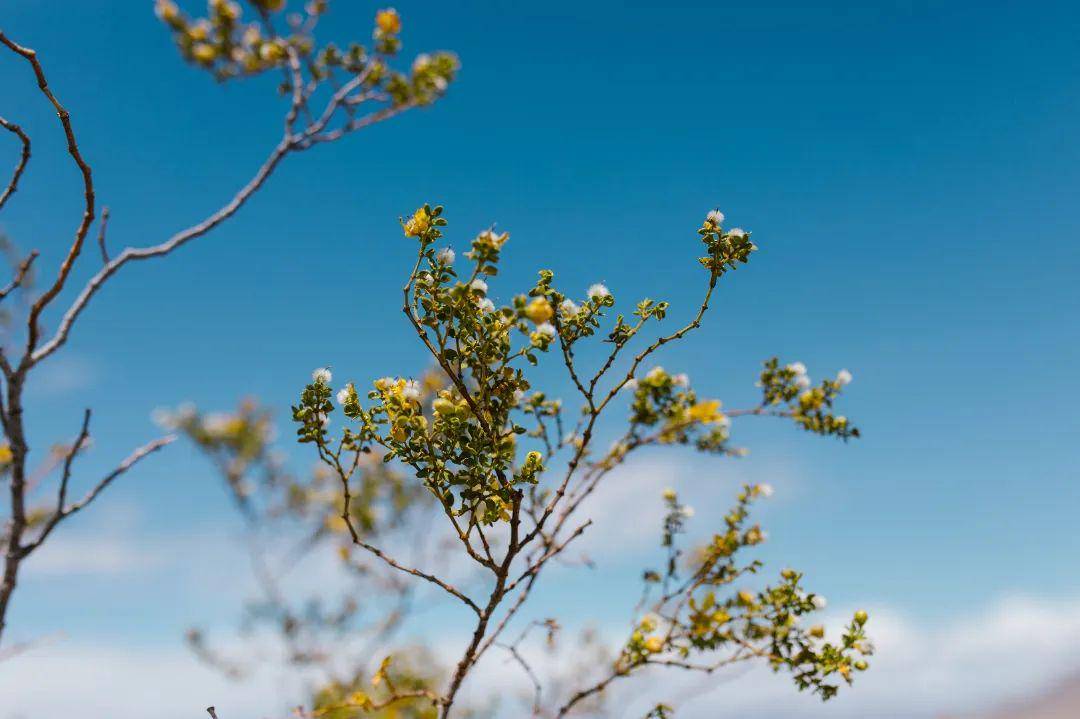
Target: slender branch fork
{"x":14,"y":536}
{"x":536,"y":546}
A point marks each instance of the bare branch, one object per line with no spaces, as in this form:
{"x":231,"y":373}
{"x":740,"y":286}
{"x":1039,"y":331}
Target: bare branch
{"x":347,"y":517}
{"x":101,"y":234}
{"x":88,"y":192}
{"x":63,"y":512}
{"x":13,"y":183}
{"x":20,"y":275}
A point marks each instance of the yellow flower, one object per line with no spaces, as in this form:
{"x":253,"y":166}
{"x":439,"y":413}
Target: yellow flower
{"x":654,"y":644}
{"x":811,"y":399}
{"x":418,"y":224}
{"x":539,"y":310}
{"x":203,"y":52}
{"x":706,"y":412}
{"x":199,"y":31}
{"x":5,"y":454}
{"x":388,"y":21}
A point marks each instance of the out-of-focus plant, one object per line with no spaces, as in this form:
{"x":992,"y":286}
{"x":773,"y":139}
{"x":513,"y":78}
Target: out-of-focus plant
{"x":491,"y":448}
{"x":336,"y":623}
{"x":329,"y":93}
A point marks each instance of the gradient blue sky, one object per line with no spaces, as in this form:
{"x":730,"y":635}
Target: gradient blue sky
{"x":906,"y":168}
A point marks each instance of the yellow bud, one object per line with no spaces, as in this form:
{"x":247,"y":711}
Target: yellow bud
{"x":167,"y":10}
{"x":539,"y":310}
{"x":444,"y":406}
{"x":861,"y":617}
{"x":388,"y":21}
{"x":817,"y":631}
{"x":199,"y":31}
{"x":203,"y":52}
{"x":654,"y":644}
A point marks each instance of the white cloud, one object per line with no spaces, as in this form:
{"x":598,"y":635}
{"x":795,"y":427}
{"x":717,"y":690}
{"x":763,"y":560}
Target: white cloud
{"x":628,"y":513}
{"x":63,"y":375}
{"x":1012,"y":648}
{"x":66,"y":555}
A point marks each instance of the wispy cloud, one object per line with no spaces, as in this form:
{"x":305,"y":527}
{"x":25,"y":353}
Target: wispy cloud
{"x":1011,"y":648}
{"x":74,"y":555}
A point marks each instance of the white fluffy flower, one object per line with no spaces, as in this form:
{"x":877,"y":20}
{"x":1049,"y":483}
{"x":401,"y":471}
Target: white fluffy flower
{"x":655,"y":373}
{"x":568,"y":307}
{"x":843,"y":377}
{"x":518,"y":396}
{"x":322,"y":375}
{"x":687,"y":511}
{"x":631,"y":384}
{"x":546,"y":328}
{"x":819,"y":602}
{"x":343,"y":394}
{"x":162,"y":417}
{"x":716,"y":217}
{"x":486,"y":305}
{"x":797,"y":367}
{"x":802,"y":381}
{"x":598,"y":291}
{"x":479,"y":285}
{"x":765,"y":490}
{"x":411,"y":390}
{"x":422,"y":61}
{"x":736,"y":232}
{"x":446,"y":256}
{"x":681,"y":380}
{"x":216,"y":423}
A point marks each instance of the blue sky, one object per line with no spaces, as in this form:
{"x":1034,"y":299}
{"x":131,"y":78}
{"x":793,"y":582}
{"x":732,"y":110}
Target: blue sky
{"x":909,"y":170}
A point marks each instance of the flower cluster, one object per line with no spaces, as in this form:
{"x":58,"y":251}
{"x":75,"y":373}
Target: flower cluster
{"x":810,"y":406}
{"x":394,"y":691}
{"x":237,"y":441}
{"x":705,"y":616}
{"x":667,"y":402}
{"x":228,"y":47}
{"x":241,"y":444}
{"x":726,"y":249}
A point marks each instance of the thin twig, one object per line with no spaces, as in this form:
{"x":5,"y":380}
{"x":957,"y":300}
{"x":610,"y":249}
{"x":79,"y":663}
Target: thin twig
{"x":24,"y":158}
